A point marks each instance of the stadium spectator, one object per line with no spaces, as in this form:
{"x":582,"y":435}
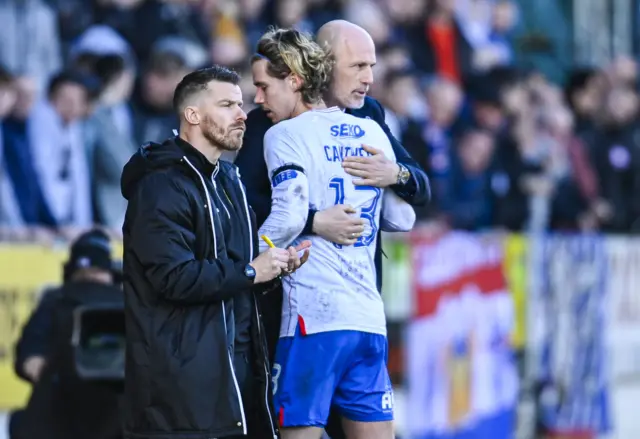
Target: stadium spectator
{"x":9,"y":208}
{"x":30,"y":40}
{"x":615,"y":154}
{"x":153,"y":115}
{"x":429,"y":139}
{"x":438,"y":44}
{"x":467,"y":193}
{"x":57,"y":141}
{"x":583,"y":96}
{"x":109,"y":138}
{"x":25,"y":204}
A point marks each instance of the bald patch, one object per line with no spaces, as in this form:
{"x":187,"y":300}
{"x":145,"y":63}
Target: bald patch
{"x":336,"y":33}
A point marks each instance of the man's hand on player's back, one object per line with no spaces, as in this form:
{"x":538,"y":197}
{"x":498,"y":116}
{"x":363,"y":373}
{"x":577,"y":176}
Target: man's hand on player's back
{"x":375,"y":170}
{"x":338,"y":224}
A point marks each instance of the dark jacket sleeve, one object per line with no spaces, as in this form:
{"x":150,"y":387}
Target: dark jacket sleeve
{"x":417,"y":191}
{"x":161,"y":232}
{"x":253,"y":168}
{"x":36,"y":335}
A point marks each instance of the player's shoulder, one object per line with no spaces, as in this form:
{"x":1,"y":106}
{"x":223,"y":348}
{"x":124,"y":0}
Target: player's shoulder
{"x":279,"y":131}
{"x":289,"y":127}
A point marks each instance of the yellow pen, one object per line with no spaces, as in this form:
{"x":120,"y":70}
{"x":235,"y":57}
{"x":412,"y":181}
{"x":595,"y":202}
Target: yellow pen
{"x":266,"y":239}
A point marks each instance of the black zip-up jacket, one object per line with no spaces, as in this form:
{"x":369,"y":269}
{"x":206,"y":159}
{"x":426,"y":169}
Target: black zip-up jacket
{"x":179,"y":286}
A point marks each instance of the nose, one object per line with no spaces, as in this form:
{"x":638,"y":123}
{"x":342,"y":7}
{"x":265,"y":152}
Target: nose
{"x":367,"y":76}
{"x":243,"y":115}
{"x":259,"y":99}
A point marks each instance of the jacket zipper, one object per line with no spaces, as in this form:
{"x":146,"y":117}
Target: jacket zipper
{"x":215,"y":186}
{"x":224,"y":316}
{"x":255,"y":303}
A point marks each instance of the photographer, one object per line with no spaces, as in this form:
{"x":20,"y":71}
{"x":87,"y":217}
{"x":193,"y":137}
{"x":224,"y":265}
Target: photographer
{"x":64,"y":404}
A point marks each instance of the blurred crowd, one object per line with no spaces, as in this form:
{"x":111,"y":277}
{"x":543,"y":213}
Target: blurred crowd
{"x":84,"y":83}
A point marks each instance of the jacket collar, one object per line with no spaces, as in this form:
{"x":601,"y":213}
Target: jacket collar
{"x":202,"y":164}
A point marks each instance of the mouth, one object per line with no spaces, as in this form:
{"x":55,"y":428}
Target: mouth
{"x":361,"y":93}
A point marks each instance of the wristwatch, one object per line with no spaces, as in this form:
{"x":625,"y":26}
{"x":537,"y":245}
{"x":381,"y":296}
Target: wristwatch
{"x":403,"y":175}
{"x":250,"y":272}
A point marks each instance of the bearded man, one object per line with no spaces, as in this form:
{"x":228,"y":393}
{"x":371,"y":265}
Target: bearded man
{"x":197,"y":362}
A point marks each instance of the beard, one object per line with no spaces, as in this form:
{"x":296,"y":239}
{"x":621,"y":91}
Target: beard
{"x":228,"y":139}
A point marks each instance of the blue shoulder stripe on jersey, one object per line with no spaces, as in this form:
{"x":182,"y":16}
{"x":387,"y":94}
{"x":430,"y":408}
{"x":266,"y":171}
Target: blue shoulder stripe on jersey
{"x":284,"y":173}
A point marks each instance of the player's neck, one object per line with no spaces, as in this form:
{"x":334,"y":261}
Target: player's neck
{"x":211,"y":152}
{"x":303,"y":107}
{"x":329,"y":102}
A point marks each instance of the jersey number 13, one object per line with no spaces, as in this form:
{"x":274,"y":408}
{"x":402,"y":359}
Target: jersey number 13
{"x":368,"y":212}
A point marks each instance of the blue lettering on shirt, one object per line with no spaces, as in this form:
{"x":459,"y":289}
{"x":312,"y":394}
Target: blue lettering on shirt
{"x":289,"y":174}
{"x":337,"y":153}
{"x":347,"y":131}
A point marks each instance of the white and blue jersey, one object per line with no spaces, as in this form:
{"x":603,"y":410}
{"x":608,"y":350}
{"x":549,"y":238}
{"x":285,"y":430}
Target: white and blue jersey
{"x":333,"y":347}
{"x":336,"y":289}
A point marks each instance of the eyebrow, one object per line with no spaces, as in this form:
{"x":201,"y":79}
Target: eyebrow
{"x":229,"y":101}
{"x":369,"y":63}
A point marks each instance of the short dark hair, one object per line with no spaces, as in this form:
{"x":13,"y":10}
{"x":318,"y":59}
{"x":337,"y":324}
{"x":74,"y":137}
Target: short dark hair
{"x":197,"y":81}
{"x":89,"y":82}
{"x":165,"y":63}
{"x":109,"y":67}
{"x":577,"y":81}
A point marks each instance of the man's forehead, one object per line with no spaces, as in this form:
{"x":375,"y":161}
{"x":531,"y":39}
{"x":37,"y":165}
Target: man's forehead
{"x":355,"y":48}
{"x":259,"y":71}
{"x":224,"y":90}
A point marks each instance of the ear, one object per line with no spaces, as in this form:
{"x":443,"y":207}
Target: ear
{"x":191,"y":115}
{"x":295,"y":82}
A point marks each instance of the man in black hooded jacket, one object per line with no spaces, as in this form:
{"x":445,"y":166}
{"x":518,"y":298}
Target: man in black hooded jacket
{"x":190,"y":268}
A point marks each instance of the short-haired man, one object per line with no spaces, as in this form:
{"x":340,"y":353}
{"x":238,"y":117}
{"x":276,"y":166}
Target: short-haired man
{"x":191,"y":271}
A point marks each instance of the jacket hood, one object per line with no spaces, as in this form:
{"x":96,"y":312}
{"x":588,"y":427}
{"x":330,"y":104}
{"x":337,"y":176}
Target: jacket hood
{"x":150,"y":157}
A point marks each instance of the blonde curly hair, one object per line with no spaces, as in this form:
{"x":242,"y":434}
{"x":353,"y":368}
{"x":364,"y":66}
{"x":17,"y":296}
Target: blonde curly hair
{"x":291,"y":51}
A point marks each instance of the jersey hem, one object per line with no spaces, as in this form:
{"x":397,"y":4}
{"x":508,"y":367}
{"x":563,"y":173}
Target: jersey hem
{"x":308,"y":331}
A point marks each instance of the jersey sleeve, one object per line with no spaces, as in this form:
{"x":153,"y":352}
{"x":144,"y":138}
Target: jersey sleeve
{"x":287,"y":167}
{"x":397,"y":215}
